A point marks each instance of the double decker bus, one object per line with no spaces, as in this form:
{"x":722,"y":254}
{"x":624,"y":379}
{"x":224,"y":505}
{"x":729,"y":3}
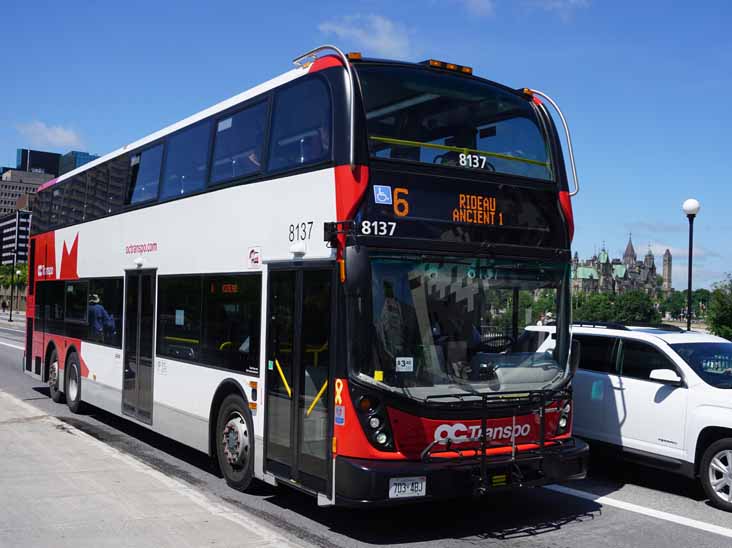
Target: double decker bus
{"x":327,"y":282}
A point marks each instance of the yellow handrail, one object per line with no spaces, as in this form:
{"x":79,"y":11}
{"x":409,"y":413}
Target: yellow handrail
{"x":320,"y":395}
{"x":284,"y":380}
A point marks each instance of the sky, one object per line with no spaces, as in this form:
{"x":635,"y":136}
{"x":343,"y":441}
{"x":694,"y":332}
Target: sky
{"x":643,"y":85}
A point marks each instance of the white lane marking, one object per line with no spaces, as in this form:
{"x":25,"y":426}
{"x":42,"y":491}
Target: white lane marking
{"x":12,"y":345}
{"x":658,"y":514}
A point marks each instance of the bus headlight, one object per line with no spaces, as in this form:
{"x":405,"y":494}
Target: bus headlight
{"x":564,"y":418}
{"x":372,"y":415}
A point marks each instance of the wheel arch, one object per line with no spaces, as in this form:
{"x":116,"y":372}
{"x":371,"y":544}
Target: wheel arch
{"x":707,"y":437}
{"x":226,"y":387}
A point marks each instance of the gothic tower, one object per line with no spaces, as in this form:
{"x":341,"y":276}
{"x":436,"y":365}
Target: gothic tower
{"x":667,"y":271}
{"x":629,"y":257}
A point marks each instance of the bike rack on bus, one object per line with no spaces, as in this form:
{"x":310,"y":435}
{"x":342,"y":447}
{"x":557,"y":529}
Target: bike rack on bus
{"x":351,"y":92}
{"x":480,"y":453}
{"x":553,"y":103}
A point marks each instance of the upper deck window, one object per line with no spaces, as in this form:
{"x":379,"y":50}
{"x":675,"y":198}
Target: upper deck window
{"x":145,"y":168}
{"x":301,"y":132}
{"x":239,"y":144}
{"x":431,"y":117}
{"x":186,"y":162}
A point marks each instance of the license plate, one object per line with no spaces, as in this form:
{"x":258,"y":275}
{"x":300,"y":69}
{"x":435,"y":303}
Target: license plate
{"x":407,"y":487}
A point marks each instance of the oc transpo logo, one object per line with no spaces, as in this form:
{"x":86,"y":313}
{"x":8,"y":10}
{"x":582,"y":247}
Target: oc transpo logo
{"x":459,"y":433}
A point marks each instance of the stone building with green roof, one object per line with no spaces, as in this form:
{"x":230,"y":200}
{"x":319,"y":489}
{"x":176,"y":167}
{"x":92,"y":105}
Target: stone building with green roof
{"x":600,"y":274}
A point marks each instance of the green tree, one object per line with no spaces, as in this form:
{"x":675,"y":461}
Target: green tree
{"x":635,"y":306}
{"x":596,"y":307}
{"x":674,"y":304}
{"x":719,"y":312}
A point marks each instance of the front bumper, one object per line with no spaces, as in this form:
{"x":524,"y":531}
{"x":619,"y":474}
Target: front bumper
{"x":361,"y":481}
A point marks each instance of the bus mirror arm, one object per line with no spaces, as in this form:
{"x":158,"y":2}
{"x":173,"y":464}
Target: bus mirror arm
{"x":570,"y":150}
{"x":574,"y":357}
{"x":351,"y":93}
{"x":331,"y":231}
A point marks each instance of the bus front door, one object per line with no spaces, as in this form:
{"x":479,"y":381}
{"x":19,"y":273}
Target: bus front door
{"x":137,"y":382}
{"x":298,"y":371}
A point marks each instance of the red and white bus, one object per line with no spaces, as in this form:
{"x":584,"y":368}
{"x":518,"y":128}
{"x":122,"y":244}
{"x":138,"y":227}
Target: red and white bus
{"x":324,"y":282}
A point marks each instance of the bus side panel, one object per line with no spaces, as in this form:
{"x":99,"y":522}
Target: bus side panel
{"x":183,"y":396}
{"x":103,"y":383}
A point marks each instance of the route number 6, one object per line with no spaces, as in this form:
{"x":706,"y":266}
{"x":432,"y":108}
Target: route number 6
{"x":401,"y":205}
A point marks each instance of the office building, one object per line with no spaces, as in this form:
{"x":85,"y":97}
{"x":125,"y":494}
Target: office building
{"x":15,"y":184}
{"x":37,"y":161}
{"x":72,"y":160}
{"x":14,"y":232}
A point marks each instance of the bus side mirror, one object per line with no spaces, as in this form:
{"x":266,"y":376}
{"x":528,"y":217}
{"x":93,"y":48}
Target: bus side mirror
{"x":575,"y":353}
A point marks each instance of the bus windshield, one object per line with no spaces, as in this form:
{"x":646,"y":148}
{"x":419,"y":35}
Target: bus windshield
{"x":458,"y":326}
{"x":433,"y":117}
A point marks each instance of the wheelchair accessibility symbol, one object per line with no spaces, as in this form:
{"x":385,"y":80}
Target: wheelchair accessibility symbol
{"x":382,"y":194}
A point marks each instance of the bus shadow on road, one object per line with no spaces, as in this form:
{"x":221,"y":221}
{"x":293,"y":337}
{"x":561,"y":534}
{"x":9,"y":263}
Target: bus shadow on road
{"x":506,"y":516}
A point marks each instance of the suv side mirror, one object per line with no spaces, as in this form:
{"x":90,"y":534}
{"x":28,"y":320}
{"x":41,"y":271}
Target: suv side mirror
{"x":575,"y":352}
{"x":666,"y":376}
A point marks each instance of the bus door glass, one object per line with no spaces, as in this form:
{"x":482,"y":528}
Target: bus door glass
{"x":137,"y":389}
{"x":298,"y":375}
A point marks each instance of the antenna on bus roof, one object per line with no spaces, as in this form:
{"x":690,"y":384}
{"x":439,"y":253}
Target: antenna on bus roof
{"x":351,"y":91}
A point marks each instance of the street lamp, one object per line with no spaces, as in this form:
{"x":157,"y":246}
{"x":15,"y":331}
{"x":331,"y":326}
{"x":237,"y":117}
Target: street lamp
{"x":691,"y":208}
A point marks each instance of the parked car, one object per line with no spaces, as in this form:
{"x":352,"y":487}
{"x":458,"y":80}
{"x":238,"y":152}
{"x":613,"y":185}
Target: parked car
{"x":662,"y":396}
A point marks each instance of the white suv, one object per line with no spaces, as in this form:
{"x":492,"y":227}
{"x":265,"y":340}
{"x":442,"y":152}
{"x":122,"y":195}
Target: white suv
{"x":662,"y":395}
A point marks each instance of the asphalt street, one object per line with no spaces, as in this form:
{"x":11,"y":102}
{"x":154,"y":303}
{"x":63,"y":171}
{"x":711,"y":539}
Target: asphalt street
{"x":618,"y":505}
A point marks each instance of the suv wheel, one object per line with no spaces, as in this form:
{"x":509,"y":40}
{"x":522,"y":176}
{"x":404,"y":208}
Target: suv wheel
{"x":716,"y":474}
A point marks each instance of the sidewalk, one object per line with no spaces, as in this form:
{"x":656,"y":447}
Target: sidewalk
{"x":18,"y":318}
{"x":61,"y":487}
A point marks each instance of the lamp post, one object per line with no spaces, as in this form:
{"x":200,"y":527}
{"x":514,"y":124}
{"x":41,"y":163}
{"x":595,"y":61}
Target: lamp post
{"x":691,"y":208}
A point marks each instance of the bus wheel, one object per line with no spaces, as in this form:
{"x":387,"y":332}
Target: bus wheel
{"x":72,"y":378}
{"x":235,"y":442}
{"x":53,"y":388}
{"x":716,"y":474}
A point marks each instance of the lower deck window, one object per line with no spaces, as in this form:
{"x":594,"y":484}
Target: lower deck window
{"x":213,"y":319}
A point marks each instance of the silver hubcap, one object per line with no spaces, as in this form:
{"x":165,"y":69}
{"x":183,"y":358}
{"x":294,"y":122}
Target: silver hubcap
{"x":720,"y":475}
{"x":235,"y":440}
{"x":53,"y":375}
{"x":73,"y":383}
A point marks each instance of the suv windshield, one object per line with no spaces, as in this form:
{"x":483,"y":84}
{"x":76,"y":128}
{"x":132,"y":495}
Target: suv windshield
{"x":711,"y":361}
{"x":457,"y":326}
{"x":434,"y":117}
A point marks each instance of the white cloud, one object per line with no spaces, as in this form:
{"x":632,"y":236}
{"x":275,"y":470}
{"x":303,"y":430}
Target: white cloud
{"x":659,"y":248}
{"x":376,"y":35}
{"x":479,"y":7}
{"x":39,"y":134}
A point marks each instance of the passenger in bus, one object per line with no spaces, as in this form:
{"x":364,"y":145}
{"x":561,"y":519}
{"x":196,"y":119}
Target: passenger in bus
{"x":101,"y":324}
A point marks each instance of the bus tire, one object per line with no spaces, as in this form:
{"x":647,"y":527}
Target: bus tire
{"x":72,"y":383}
{"x":53,"y":375}
{"x":714,"y":473}
{"x":235,"y":442}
